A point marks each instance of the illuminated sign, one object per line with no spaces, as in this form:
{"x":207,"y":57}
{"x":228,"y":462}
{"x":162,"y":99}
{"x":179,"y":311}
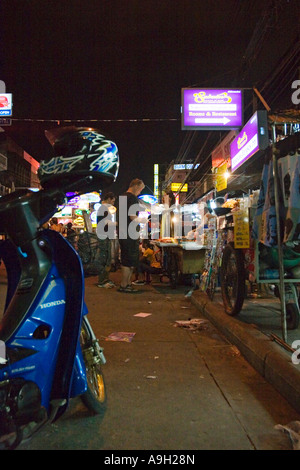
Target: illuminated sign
{"x":79,"y":221}
{"x":90,"y":197}
{"x":211,"y":109}
{"x":93,"y":217}
{"x":156,"y":188}
{"x":176,"y":186}
{"x":186,"y":166}
{"x":5,"y":104}
{"x":148,"y":198}
{"x":221,"y":182}
{"x":78,"y":212}
{"x":252,"y":138}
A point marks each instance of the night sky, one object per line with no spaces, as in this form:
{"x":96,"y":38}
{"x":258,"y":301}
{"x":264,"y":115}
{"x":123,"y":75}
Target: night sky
{"x":119,"y":66}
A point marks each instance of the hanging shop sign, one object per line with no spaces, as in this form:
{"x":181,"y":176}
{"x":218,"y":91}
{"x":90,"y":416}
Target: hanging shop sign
{"x":211,"y":109}
{"x":6,"y":104}
{"x":221,"y":181}
{"x":241,"y":229}
{"x":186,"y":166}
{"x":176,"y":186}
{"x":252,"y":139}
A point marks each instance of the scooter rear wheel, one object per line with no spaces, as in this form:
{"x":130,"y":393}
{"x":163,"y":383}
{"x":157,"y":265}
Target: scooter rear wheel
{"x":95,"y":397}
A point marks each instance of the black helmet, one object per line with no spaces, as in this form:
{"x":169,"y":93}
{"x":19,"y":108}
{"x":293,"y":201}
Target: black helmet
{"x":79,"y":153}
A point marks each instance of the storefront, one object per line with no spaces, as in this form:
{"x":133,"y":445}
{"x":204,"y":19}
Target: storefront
{"x":76,"y":210}
{"x":255,"y":237}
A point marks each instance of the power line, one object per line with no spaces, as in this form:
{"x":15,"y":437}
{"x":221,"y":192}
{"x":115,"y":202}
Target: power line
{"x":58,"y":121}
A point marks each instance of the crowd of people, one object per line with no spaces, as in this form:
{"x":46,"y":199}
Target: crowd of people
{"x":136,"y":257}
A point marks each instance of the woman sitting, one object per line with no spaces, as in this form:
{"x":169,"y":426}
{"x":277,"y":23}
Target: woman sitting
{"x":149,"y":263}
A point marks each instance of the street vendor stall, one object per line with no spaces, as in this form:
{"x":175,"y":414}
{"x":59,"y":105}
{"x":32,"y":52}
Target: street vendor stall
{"x":181,"y":257}
{"x":262,"y":242}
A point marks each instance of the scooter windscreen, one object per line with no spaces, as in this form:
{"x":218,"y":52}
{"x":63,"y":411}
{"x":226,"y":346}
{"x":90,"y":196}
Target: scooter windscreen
{"x":80,"y":153}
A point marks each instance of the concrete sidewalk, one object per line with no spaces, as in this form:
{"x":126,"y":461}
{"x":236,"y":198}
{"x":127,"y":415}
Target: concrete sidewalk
{"x":249,"y":332}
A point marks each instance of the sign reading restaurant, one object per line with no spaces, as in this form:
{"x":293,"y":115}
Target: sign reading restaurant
{"x":252,"y":139}
{"x":211,"y":109}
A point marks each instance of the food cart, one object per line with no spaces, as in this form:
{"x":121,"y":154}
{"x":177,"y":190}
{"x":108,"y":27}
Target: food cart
{"x":181,"y":257}
{"x":182,"y":254}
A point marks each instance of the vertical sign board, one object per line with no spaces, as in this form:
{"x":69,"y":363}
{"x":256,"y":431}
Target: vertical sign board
{"x":252,"y":138}
{"x":211,"y":109}
{"x":221,"y":182}
{"x":241,"y":229}
{"x":156,"y":186}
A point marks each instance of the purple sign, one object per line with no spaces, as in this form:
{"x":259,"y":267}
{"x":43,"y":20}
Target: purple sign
{"x":252,"y":138}
{"x":211,"y":109}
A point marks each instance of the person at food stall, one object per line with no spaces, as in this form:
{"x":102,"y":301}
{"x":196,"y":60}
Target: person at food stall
{"x":54,"y":225}
{"x":149,"y":263}
{"x":105,"y":222}
{"x":71,"y":235}
{"x":129,"y":244}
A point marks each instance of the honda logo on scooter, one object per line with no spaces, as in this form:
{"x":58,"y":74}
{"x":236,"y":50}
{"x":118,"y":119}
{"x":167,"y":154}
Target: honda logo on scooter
{"x":53,"y":304}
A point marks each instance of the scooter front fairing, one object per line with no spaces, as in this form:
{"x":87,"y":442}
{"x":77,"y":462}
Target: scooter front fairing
{"x":40,"y":329}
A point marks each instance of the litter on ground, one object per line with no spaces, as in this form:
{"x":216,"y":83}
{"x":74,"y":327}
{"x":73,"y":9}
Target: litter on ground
{"x":120,"y":336}
{"x":142,"y":314}
{"x":193,"y":324}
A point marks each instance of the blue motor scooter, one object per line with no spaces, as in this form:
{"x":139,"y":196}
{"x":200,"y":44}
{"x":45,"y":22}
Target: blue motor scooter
{"x":51,"y":352}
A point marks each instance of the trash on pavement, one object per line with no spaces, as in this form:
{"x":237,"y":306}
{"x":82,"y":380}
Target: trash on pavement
{"x":142,"y":314}
{"x":120,"y":336}
{"x":192,"y":324}
{"x":189,"y":294}
{"x":235,"y":351}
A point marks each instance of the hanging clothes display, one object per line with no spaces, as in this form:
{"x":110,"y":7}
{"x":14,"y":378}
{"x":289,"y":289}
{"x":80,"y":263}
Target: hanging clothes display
{"x":264,"y":223}
{"x":289,"y":168}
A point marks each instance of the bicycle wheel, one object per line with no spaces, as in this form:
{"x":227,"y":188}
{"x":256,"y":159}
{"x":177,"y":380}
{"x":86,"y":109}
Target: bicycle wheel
{"x":95,"y":397}
{"x":232,"y":280}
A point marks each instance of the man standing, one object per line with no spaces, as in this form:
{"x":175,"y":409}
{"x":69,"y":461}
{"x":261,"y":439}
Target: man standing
{"x":105,"y":233}
{"x":128,"y":230}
